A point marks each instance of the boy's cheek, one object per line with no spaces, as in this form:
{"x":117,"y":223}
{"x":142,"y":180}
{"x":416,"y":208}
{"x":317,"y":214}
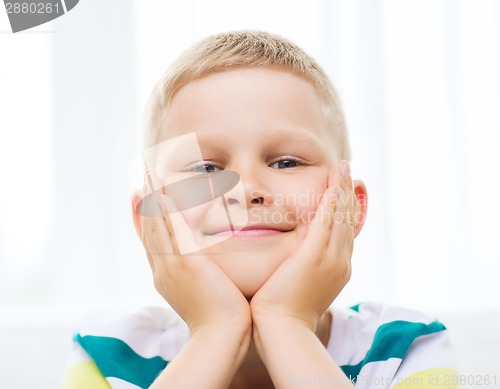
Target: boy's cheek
{"x":303,"y":210}
{"x":306,"y":216}
{"x":306,"y":204}
{"x":194,"y":216}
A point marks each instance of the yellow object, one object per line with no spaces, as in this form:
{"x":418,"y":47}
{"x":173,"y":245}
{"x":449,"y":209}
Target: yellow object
{"x":430,"y":379}
{"x":84,"y":375}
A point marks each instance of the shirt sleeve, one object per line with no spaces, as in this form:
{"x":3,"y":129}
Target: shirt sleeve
{"x":429,"y":363}
{"x":386,"y":347}
{"x":128,"y":352}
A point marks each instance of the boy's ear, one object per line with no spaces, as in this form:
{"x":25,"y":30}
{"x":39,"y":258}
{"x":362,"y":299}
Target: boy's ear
{"x":360,"y":205}
{"x":136,"y":199}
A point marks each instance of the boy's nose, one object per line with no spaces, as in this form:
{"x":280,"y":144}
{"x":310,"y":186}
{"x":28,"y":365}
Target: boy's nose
{"x":254,"y":193}
{"x":259,"y":196}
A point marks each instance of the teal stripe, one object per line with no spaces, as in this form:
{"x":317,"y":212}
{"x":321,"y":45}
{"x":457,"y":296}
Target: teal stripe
{"x":392,"y":340}
{"x":115,"y":358}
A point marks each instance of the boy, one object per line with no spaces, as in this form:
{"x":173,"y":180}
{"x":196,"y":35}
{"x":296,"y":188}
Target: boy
{"x":249,"y":268}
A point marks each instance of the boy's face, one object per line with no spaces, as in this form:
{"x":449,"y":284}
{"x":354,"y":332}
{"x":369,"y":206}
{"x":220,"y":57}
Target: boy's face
{"x":269,"y":127}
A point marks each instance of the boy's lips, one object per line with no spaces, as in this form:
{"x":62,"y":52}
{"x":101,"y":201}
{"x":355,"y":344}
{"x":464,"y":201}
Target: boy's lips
{"x":249,"y":231}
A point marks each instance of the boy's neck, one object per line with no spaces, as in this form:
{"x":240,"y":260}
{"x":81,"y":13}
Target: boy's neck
{"x":253,"y":373}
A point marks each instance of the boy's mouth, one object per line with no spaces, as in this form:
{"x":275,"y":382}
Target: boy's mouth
{"x":253,"y":231}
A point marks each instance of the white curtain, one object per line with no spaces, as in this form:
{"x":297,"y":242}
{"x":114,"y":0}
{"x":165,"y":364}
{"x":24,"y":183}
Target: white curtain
{"x":420,"y":86}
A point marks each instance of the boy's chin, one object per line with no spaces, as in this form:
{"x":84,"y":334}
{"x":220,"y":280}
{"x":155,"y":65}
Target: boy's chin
{"x":250,"y":267}
{"x":249,"y":271}
{"x":249,"y":290}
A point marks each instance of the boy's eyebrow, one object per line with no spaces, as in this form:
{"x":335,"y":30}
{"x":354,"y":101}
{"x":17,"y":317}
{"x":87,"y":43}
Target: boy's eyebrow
{"x":296,"y":134}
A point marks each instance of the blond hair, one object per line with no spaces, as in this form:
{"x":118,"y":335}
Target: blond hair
{"x":232,"y":50}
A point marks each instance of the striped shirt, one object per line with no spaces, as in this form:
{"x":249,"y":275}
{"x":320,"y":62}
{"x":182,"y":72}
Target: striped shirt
{"x":376,"y":346}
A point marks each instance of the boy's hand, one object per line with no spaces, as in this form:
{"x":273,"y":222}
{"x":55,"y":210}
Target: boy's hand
{"x":196,"y":288}
{"x":306,"y":283}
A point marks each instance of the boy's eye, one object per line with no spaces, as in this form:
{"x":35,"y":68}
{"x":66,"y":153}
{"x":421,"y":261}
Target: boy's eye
{"x":204,"y":167}
{"x":286,"y":163}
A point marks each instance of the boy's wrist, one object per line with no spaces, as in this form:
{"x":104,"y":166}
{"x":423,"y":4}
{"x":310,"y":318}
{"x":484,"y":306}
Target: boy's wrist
{"x":238,"y":337}
{"x":278,"y":322}
{"x":266,"y":329}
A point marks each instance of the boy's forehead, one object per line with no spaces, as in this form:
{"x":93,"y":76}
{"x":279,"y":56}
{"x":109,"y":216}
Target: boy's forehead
{"x":246,"y":97}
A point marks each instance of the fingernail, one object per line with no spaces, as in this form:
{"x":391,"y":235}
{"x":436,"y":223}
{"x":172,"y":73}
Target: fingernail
{"x":341,"y":170}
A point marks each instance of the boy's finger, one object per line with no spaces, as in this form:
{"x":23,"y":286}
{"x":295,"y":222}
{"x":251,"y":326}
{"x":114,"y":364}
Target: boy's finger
{"x":181,"y":233}
{"x":181,"y":236}
{"x":155,"y":233}
{"x":335,"y":175}
{"x":320,"y":228}
{"x":343,"y":222}
{"x":148,"y":254}
{"x":343,"y":226}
